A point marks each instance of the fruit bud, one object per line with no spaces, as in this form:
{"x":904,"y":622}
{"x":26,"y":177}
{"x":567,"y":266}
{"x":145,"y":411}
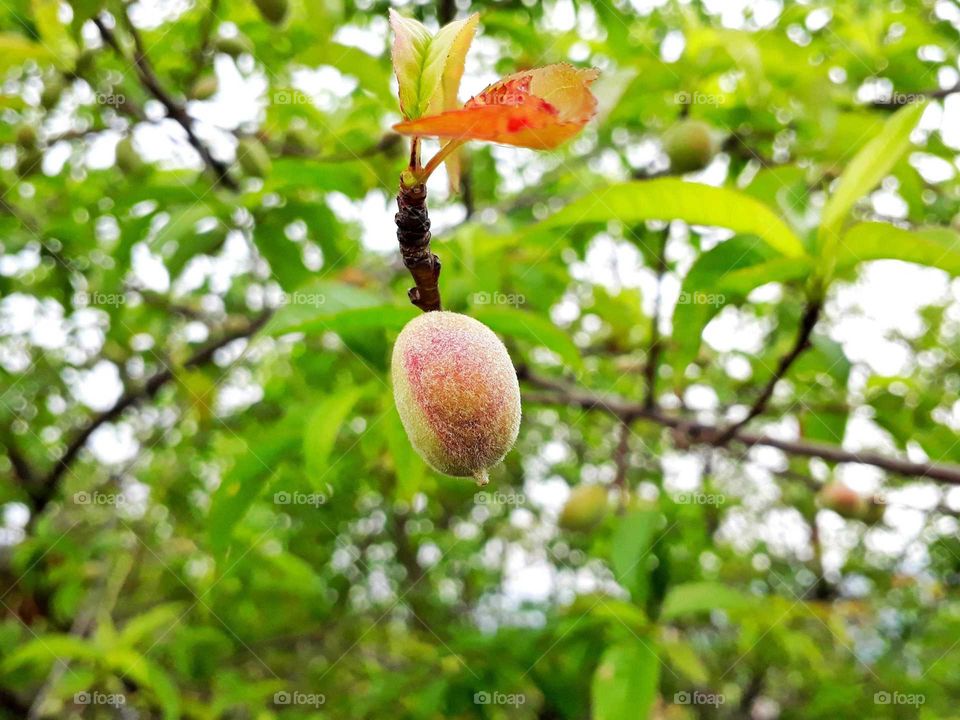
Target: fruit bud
{"x":585,"y":508}
{"x":690,"y":145}
{"x":456,"y":392}
{"x":233,"y":46}
{"x":204,"y":88}
{"x":253,"y":157}
{"x":27,"y":136}
{"x":52,"y":89}
{"x":129,"y":162}
{"x":273,"y":11}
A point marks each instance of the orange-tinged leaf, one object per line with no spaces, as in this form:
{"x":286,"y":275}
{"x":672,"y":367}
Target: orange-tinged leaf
{"x":540,"y":108}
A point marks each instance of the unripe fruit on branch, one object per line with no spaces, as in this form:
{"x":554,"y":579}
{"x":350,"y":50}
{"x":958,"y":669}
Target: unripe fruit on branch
{"x":456,"y":392}
{"x":843,"y":501}
{"x":273,"y":11}
{"x":690,"y":145}
{"x":253,"y":157}
{"x":204,"y":88}
{"x":128,"y":160}
{"x":585,"y":508}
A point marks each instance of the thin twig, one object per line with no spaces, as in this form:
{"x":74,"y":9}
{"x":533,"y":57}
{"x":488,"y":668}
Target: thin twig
{"x":560,"y":393}
{"x":652,"y":365}
{"x":47,"y":486}
{"x":151,"y":83}
{"x":809,"y":319}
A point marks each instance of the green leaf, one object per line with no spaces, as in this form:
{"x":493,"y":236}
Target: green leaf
{"x":244,"y":481}
{"x":531,"y":327}
{"x":933,"y":247}
{"x":429,"y":67}
{"x":673,"y":199}
{"x":699,"y":597}
{"x":53,"y":33}
{"x":16,"y":49}
{"x":149,"y":675}
{"x":409,"y":467}
{"x":875,"y":160}
{"x":323,"y":426}
{"x":315,"y":304}
{"x":683,"y":657}
{"x":630,"y":549}
{"x":47,"y":649}
{"x":625,"y":682}
{"x":142,"y":627}
{"x":718,"y":277}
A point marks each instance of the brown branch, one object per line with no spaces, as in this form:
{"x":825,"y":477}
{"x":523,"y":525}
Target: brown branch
{"x":656,"y":343}
{"x":203,"y":47}
{"x":413,"y":234}
{"x":561,"y":393}
{"x":151,"y":83}
{"x":899,"y":99}
{"x":44,"y":491}
{"x":21,"y":466}
{"x":809,"y":319}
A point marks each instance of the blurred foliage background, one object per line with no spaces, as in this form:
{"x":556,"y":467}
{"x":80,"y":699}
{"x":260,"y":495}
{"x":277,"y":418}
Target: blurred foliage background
{"x":210,"y":509}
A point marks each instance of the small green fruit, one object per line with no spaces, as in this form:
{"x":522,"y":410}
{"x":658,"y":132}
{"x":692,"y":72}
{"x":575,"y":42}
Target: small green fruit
{"x":253,"y":157}
{"x":233,"y":46}
{"x":128,"y":160}
{"x":300,"y":141}
{"x":689,"y":145}
{"x":843,"y":501}
{"x":52,"y":90}
{"x":30,"y":162}
{"x":585,"y":508}
{"x":456,"y":392}
{"x":204,"y":88}
{"x":273,"y":11}
{"x":27,"y":136}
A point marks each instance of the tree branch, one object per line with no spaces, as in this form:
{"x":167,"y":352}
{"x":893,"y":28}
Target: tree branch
{"x":899,"y":99}
{"x":810,"y":316}
{"x":151,"y":83}
{"x":43,"y":492}
{"x":653,"y":352}
{"x":413,"y":234}
{"x":695,"y":432}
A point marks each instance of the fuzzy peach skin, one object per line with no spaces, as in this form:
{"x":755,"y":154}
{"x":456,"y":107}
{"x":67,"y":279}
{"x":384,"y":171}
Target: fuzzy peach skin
{"x":457,"y":393}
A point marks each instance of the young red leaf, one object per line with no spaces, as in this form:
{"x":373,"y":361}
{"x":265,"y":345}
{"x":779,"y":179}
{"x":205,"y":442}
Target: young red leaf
{"x":540,"y":108}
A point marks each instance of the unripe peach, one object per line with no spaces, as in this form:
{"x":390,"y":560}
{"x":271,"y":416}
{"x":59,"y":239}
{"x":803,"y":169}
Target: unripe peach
{"x":457,"y":393}
{"x":843,"y":501}
{"x":585,"y":508}
{"x":690,"y":145}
